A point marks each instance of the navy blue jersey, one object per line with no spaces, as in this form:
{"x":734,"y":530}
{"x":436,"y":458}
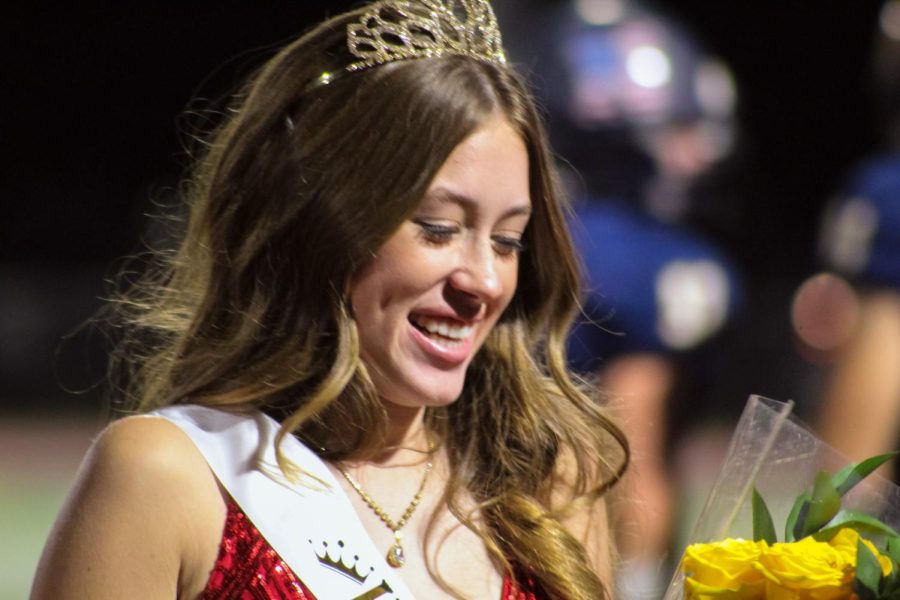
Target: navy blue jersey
{"x":861,"y":237}
{"x":649,"y":286}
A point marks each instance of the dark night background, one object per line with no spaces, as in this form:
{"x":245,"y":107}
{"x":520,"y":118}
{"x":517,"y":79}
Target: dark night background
{"x":91,"y":133}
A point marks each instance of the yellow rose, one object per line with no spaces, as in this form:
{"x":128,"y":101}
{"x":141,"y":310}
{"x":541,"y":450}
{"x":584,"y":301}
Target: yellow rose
{"x":801,"y":570}
{"x":723,"y":570}
{"x":845,"y":542}
{"x":808,"y":570}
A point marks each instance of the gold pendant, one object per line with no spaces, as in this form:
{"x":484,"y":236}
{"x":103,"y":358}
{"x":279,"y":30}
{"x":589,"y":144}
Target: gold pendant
{"x":395,"y":556}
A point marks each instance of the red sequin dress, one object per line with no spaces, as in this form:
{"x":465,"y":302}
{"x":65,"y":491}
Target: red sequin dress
{"x":248,"y":568}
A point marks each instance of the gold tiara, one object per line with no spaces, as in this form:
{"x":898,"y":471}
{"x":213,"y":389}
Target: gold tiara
{"x":393,"y":30}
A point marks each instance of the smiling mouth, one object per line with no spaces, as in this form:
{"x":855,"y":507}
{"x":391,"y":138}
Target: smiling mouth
{"x":443,"y":331}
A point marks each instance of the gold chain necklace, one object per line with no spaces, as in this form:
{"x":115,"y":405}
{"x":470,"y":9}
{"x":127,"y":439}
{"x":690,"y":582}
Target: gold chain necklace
{"x":395,"y":555}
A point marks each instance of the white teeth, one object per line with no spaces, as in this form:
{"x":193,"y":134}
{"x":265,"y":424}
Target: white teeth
{"x":443,"y":328}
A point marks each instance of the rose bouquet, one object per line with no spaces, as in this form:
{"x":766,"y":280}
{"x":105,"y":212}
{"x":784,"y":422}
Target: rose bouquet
{"x":838,"y":538}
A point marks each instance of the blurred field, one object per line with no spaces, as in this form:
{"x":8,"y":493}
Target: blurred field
{"x":38,"y":462}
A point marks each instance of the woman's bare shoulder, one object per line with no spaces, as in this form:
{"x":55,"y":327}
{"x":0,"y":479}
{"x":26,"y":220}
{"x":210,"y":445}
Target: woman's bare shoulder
{"x":145,"y":510}
{"x":145,"y":458}
{"x":146,"y":449}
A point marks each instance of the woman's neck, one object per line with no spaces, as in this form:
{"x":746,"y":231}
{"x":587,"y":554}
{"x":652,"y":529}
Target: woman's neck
{"x":407,"y":441}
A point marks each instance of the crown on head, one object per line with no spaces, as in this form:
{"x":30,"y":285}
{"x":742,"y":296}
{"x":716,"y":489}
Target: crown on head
{"x":393,"y":30}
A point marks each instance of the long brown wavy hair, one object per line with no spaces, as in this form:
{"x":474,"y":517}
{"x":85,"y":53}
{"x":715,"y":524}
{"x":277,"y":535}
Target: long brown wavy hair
{"x":294,"y":193}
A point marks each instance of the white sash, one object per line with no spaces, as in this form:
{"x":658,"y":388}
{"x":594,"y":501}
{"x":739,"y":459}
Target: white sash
{"x":313,"y":527}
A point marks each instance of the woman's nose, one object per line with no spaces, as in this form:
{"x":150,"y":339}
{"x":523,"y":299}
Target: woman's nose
{"x":477,"y":274}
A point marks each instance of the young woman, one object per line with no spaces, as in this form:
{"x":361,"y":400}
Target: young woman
{"x":351,"y":371}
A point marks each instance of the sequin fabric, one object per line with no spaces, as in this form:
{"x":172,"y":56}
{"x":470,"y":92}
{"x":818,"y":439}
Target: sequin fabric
{"x":248,"y":568}
{"x":512,"y":592}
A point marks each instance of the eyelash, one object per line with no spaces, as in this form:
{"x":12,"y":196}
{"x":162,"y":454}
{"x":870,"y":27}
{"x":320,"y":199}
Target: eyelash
{"x":508,"y":246}
{"x":436,"y":234}
{"x":441,"y":234}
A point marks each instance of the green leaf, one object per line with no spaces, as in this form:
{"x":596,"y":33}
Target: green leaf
{"x":763,"y":526}
{"x":813,"y":511}
{"x":822,"y":506}
{"x":892,"y":548}
{"x":790,"y":525}
{"x":890,"y":587}
{"x":868,"y":572}
{"x":854,"y":519}
{"x":845,"y":479}
{"x":864,"y":593}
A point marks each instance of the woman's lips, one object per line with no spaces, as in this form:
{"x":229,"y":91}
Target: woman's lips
{"x":446,"y":327}
{"x":445,"y":339}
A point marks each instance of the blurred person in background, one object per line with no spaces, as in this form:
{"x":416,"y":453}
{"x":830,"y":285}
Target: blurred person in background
{"x":638,"y":112}
{"x":848,"y":316}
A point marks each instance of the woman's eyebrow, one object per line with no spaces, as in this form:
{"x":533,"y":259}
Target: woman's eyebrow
{"x":446,"y":196}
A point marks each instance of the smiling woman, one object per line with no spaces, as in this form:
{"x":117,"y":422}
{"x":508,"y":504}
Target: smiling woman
{"x":429,"y":299}
{"x":351,"y":371}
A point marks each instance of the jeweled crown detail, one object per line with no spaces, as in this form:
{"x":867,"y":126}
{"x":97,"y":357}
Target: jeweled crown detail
{"x":394,"y":30}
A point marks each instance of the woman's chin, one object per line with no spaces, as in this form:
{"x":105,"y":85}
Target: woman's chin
{"x":424,"y":397}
